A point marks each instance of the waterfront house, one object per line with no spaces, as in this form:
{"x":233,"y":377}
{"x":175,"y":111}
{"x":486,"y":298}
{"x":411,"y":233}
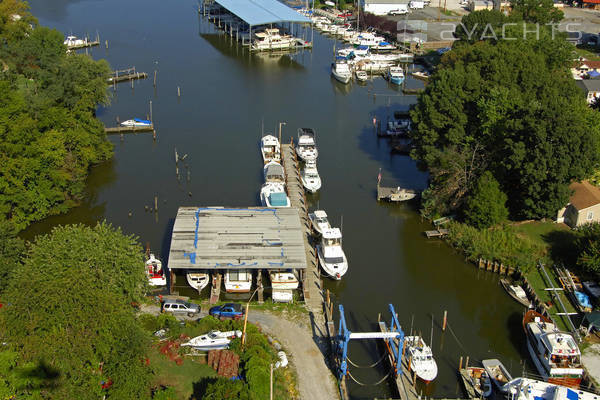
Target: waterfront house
{"x":583,"y":207}
{"x":581,"y":68}
{"x":590,"y":87}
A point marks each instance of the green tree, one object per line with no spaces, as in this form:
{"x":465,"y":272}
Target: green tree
{"x":536,"y":11}
{"x":70,"y":311}
{"x":12,"y":249}
{"x":225,"y":389}
{"x":588,"y":247}
{"x":487,"y":204}
{"x":480,"y":25}
{"x":511,"y":108}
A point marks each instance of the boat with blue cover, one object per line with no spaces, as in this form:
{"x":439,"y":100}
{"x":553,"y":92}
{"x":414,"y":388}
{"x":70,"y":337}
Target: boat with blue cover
{"x":272,"y":194}
{"x":136,"y":122}
{"x":395,"y":75}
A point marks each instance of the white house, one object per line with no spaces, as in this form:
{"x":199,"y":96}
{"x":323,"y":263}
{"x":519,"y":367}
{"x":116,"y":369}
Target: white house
{"x":383,"y":7}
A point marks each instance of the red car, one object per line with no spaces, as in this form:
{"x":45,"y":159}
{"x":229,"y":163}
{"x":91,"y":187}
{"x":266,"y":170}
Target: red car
{"x":345,"y":14}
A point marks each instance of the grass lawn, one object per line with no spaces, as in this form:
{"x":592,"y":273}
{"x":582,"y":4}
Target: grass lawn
{"x":181,"y":377}
{"x":587,"y":53}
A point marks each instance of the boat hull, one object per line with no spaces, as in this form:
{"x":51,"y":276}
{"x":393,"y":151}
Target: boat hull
{"x":506,"y":285}
{"x":197,"y":280}
{"x":334,"y":271}
{"x":341,"y":78}
{"x":397,"y":81}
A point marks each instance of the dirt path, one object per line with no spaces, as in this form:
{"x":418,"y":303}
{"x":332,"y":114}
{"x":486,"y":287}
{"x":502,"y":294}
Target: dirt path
{"x":315,"y":381}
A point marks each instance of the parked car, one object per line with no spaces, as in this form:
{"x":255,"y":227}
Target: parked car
{"x":415,"y":4}
{"x":179,"y":307}
{"x":399,"y":11}
{"x":228,"y":310}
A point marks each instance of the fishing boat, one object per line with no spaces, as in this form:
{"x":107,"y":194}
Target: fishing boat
{"x":272,"y":39}
{"x":319,"y":221}
{"x":306,"y":148}
{"x":421,"y":358}
{"x":270,"y":149}
{"x":395,"y":75}
{"x":497,"y":373}
{"x":310,"y":177}
{"x":136,"y":122}
{"x":238,"y":281}
{"x":213,"y":340}
{"x":341,"y":70}
{"x":353,"y":50}
{"x":516,"y":292}
{"x":273,"y":195}
{"x":197,"y":279}
{"x":555,"y":354}
{"x":273,"y":172}
{"x":283,"y":280}
{"x":477,"y":382}
{"x":528,"y":389}
{"x":154,"y":272}
{"x":361,"y":76}
{"x":331,"y":255}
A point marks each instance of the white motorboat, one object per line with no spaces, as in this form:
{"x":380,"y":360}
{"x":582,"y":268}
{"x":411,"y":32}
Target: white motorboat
{"x":310,"y":177}
{"x":528,"y":389}
{"x":319,"y":221}
{"x":361,"y":76}
{"x":384,"y":46}
{"x":341,"y":71}
{"x":421,"y":358}
{"x":273,"y":195}
{"x":154,"y":272}
{"x":72,"y":41}
{"x":283,"y":280}
{"x":238,"y":281}
{"x":273,"y":172}
{"x":555,"y":354}
{"x":497,"y":373}
{"x":213,"y":340}
{"x":282,"y":296}
{"x":197,"y":279}
{"x":270,"y":149}
{"x":136,"y":122}
{"x":306,"y":148}
{"x":272,"y":39}
{"x":367,"y":39}
{"x":362,"y":51}
{"x":331,"y":255}
{"x":395,"y":75}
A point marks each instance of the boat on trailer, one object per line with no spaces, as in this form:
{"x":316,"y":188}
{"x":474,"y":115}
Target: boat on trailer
{"x":213,"y":340}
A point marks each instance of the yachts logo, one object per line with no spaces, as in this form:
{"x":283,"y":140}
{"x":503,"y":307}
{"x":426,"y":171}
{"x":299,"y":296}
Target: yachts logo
{"x":414,"y":30}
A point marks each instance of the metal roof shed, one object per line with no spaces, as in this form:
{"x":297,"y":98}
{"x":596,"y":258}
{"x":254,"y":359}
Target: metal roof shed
{"x":216,"y":238}
{"x":262,"y":12}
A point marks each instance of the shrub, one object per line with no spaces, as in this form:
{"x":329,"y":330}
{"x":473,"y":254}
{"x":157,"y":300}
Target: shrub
{"x":487,"y":204}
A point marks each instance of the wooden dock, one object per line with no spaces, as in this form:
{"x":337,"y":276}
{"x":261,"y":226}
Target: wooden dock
{"x":436,"y":233}
{"x":123,"y":75}
{"x":313,"y":295}
{"x":128,"y":129}
{"x":84,"y":45}
{"x":395,"y":193}
{"x":404,"y":383}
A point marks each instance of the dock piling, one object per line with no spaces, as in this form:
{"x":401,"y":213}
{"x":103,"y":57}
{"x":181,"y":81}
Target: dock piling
{"x":154,"y":78}
{"x":460,"y":363}
{"x":445,"y":321}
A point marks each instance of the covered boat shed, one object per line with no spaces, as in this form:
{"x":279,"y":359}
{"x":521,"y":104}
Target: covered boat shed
{"x":219,"y":238}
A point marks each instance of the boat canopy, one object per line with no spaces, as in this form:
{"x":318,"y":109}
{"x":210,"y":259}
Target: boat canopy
{"x":583,"y":299}
{"x":142,"y":121}
{"x":362,"y":47}
{"x":278,"y":199}
{"x":275,"y":170}
{"x":262,"y":12}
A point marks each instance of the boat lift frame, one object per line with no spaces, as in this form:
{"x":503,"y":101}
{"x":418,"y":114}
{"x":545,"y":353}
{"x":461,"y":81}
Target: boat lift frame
{"x":395,"y":332}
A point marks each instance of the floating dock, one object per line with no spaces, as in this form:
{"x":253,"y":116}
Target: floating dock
{"x":436,"y":233}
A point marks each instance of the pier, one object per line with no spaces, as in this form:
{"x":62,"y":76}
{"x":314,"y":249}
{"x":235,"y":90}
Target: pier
{"x":129,"y":129}
{"x":395,"y":193}
{"x":83,"y":45}
{"x":436,"y":233}
{"x":128,"y":74}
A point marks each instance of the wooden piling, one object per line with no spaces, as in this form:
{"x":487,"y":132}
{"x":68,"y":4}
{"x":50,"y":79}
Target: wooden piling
{"x":106,"y":42}
{"x":460,"y":363}
{"x":154,"y":78}
{"x":178,"y":92}
{"x":445,"y":320}
{"x":155,"y":203}
{"x":467,"y":363}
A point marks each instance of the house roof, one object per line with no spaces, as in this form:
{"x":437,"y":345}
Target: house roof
{"x":584,"y":195}
{"x":589,"y":63}
{"x":591,"y":1}
{"x":262,"y":12}
{"x":589,"y":85}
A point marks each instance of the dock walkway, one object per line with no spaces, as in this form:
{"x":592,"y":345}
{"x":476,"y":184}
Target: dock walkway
{"x":313,"y":295}
{"x":129,"y":129}
{"x":436,"y":233}
{"x":405,"y":383}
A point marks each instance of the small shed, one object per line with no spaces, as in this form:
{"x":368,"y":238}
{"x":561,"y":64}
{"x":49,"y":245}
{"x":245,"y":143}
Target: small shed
{"x":583,"y":207}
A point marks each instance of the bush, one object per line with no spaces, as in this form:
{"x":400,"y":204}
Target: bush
{"x":588,"y":247}
{"x":165,"y":393}
{"x":487,"y":204}
{"x":223,"y":388}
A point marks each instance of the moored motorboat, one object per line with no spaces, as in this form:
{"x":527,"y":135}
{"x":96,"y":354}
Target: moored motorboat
{"x":273,"y":172}
{"x":273,"y":195}
{"x":319,"y":221}
{"x":395,"y":75}
{"x":421,"y":358}
{"x":238,"y":281}
{"x":331,"y":255}
{"x":361,"y":76}
{"x":197,"y":279}
{"x":272,"y":39}
{"x":136,"y":122}
{"x":354,"y":50}
{"x":270,"y":149}
{"x":154,"y":272}
{"x":516,"y":292}
{"x":498,"y":374}
{"x":72,"y":41}
{"x":341,"y":71}
{"x":306,"y":148}
{"x":554,"y":353}
{"x":310,"y":177}
{"x":283,"y":280}
{"x":528,"y":389}
{"x":476,"y":381}
{"x":213,"y":340}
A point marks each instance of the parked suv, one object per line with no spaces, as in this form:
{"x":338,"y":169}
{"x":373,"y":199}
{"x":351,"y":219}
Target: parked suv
{"x":179,"y":307}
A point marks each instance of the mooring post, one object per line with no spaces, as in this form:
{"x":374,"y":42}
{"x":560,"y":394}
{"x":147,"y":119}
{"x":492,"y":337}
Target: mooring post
{"x":155,"y":203}
{"x":445,"y":320}
{"x":467,"y":362}
{"x":106,"y":42}
{"x":178,"y":92}
{"x":154,"y":78}
{"x":151,"y":120}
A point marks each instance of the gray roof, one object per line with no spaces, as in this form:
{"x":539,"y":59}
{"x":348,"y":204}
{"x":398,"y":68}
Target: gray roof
{"x":275,"y":170}
{"x":230,"y":238}
{"x":589,"y":85}
{"x":262,"y":12}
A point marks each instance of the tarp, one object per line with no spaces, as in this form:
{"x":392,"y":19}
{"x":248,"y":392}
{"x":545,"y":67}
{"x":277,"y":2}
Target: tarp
{"x":278,"y":199}
{"x":583,"y":299}
{"x":593,"y":74}
{"x":262,"y":12}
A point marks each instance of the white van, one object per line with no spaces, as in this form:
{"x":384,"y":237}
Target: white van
{"x":416,"y":4}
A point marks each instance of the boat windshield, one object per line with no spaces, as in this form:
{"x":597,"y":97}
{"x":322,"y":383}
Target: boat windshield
{"x":334,"y":260}
{"x":332,"y":242}
{"x":212,"y":335}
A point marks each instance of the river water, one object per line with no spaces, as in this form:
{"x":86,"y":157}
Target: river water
{"x":225,"y":94}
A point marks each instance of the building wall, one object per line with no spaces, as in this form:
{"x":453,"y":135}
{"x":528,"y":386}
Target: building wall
{"x":590,"y":214}
{"x":382,"y":9}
